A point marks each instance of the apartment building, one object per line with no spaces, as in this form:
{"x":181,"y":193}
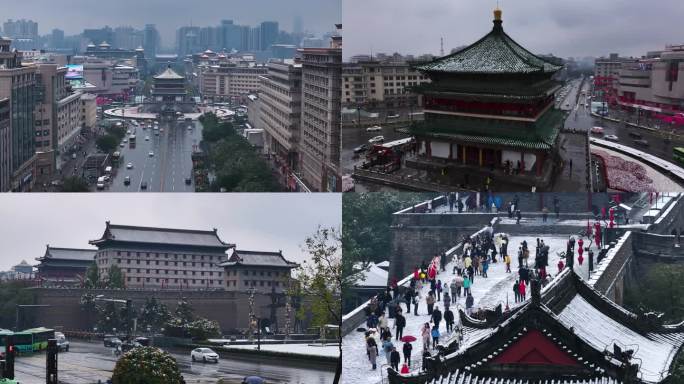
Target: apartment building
{"x":262,"y":271}
{"x":378,"y":82}
{"x":219,"y":82}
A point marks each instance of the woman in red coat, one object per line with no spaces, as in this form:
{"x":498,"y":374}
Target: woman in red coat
{"x":521,"y":289}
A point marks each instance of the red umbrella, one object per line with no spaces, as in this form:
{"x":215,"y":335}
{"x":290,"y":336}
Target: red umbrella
{"x":408,"y":339}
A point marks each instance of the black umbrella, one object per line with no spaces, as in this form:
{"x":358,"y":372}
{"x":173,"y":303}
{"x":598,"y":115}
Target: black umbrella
{"x":361,"y":329}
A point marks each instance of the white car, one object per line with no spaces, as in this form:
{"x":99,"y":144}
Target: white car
{"x":374,"y":128}
{"x":161,"y":129}
{"x":129,"y":166}
{"x":147,"y":138}
{"x":122,"y":145}
{"x":125,"y":140}
{"x":151,"y":154}
{"x":204,"y":355}
{"x":377,"y":139}
{"x":611,"y":138}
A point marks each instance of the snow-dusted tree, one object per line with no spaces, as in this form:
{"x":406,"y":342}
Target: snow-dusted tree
{"x":146,"y":365}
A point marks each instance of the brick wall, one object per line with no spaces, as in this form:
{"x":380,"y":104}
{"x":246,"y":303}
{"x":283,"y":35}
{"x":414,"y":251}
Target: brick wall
{"x":230,"y":309}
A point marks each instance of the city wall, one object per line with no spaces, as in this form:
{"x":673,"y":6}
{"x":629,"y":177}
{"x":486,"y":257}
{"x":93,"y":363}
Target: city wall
{"x":230,"y":309}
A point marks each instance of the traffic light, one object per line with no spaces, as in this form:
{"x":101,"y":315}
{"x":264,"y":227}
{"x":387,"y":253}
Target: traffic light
{"x":8,"y":372}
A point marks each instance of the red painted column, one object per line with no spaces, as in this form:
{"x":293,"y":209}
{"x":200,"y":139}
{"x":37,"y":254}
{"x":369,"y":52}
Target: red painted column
{"x":540,"y":159}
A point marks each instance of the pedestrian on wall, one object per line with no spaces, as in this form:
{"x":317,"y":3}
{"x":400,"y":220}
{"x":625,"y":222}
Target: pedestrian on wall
{"x":372,"y":352}
{"x":407,"y":349}
{"x":449,"y":319}
{"x":437,"y":316}
{"x":425,"y":335}
{"x":430,"y":302}
{"x":435,"y":336}
{"x":395,"y":358}
{"x":469,"y":304}
{"x":400,"y":323}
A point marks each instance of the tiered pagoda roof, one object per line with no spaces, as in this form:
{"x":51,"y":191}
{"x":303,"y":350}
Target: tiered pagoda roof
{"x":160,"y":236}
{"x":495,"y":53}
{"x":257,"y":259}
{"x":169,"y":74}
{"x":568,"y":333}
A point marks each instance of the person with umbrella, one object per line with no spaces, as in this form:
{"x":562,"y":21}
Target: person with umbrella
{"x":408,"y":348}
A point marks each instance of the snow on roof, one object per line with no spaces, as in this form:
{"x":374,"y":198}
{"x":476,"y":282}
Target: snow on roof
{"x":654,"y":352}
{"x":372,"y":276}
{"x":169,"y":74}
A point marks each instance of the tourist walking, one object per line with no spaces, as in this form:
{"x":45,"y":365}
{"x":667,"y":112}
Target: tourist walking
{"x":516,"y":290}
{"x":485,"y":267}
{"x":466,"y":286}
{"x":449,"y":319}
{"x":408,"y":298}
{"x":437,"y":316}
{"x":407,"y":353}
{"x":522,"y":288}
{"x":439,"y":290}
{"x":435,"y":336}
{"x":372,"y":352}
{"x":507,"y":260}
{"x":400,"y":323}
{"x":447,"y":301}
{"x":387,"y":348}
{"x":395,"y":358}
{"x":425,"y":335}
{"x":469,"y":304}
{"x":430,"y":301}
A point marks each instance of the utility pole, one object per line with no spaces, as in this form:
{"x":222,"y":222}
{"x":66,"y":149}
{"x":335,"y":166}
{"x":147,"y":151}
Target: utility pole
{"x":51,"y":364}
{"x":441,"y":46}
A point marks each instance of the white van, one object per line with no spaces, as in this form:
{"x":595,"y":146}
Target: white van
{"x":108,"y":170}
{"x":101,"y":182}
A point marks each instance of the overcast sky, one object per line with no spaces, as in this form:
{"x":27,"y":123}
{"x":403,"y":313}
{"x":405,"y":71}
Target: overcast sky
{"x":266,"y":222}
{"x":564,"y":28}
{"x":73,"y":16}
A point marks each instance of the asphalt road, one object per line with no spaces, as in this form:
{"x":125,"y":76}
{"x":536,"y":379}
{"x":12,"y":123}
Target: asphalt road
{"x":170,"y":164}
{"x":88,"y":362}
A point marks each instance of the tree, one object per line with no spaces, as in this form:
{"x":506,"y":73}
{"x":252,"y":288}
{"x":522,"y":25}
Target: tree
{"x":115,"y":278}
{"x":110,"y":316}
{"x":13,"y":293}
{"x":146,"y":365}
{"x":320,"y":280}
{"x":75,"y":184}
{"x":184,"y":311}
{"x":202,"y":329}
{"x":92,"y":278}
{"x":107,"y":143}
{"x":154,"y":315}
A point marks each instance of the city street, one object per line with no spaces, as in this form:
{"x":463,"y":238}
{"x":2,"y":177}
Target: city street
{"x":170,"y":164}
{"x":88,"y":362}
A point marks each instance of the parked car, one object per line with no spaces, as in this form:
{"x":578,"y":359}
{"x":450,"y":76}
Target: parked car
{"x":361,"y":148}
{"x":204,"y":355}
{"x":111,"y":341}
{"x":377,"y":139}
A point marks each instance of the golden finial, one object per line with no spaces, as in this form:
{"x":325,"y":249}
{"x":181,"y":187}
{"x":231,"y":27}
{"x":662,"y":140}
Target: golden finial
{"x":497,"y":13}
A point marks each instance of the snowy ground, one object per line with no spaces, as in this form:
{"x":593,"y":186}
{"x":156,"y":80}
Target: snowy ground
{"x":661,"y":182}
{"x":329,"y":350}
{"x":487,"y":292}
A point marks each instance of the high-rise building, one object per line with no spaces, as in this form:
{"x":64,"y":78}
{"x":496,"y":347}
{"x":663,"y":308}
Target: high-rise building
{"x":21,"y":29}
{"x":227,"y":80}
{"x":188,"y":41}
{"x":57,"y":38}
{"x":127,"y":38}
{"x":298,"y":26}
{"x":280,"y":95}
{"x":5,"y":145}
{"x":254,"y":39}
{"x":17,"y":83}
{"x":151,"y":42}
{"x":99,"y":36}
{"x":268,"y":34}
{"x":321,"y":110}
{"x":231,"y":36}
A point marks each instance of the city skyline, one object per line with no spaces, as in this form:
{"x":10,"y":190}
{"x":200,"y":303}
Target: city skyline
{"x":263,"y":222}
{"x":572,"y":29}
{"x":318,"y":17}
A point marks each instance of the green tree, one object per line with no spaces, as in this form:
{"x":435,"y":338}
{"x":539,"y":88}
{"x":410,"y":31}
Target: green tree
{"x":320,"y":280}
{"x":89,"y":306}
{"x":110,"y":316}
{"x":92,"y":278}
{"x":202,"y":329}
{"x":184,"y":312}
{"x":146,"y":365}
{"x":13,"y":293}
{"x":75,"y":184}
{"x":154,"y":314}
{"x":115,"y":278}
{"x":107,"y":143}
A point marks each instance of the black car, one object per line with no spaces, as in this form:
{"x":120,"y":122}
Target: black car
{"x":143,"y":185}
{"x":635,"y":135}
{"x":188,"y":181}
{"x":641,"y":142}
{"x":127,"y":180}
{"x":111,"y":341}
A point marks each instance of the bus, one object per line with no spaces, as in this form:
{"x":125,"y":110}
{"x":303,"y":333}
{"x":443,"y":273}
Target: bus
{"x":678,"y":155}
{"x":40,"y":337}
{"x":116,"y":158}
{"x":131,"y":142}
{"x":23,"y":341}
